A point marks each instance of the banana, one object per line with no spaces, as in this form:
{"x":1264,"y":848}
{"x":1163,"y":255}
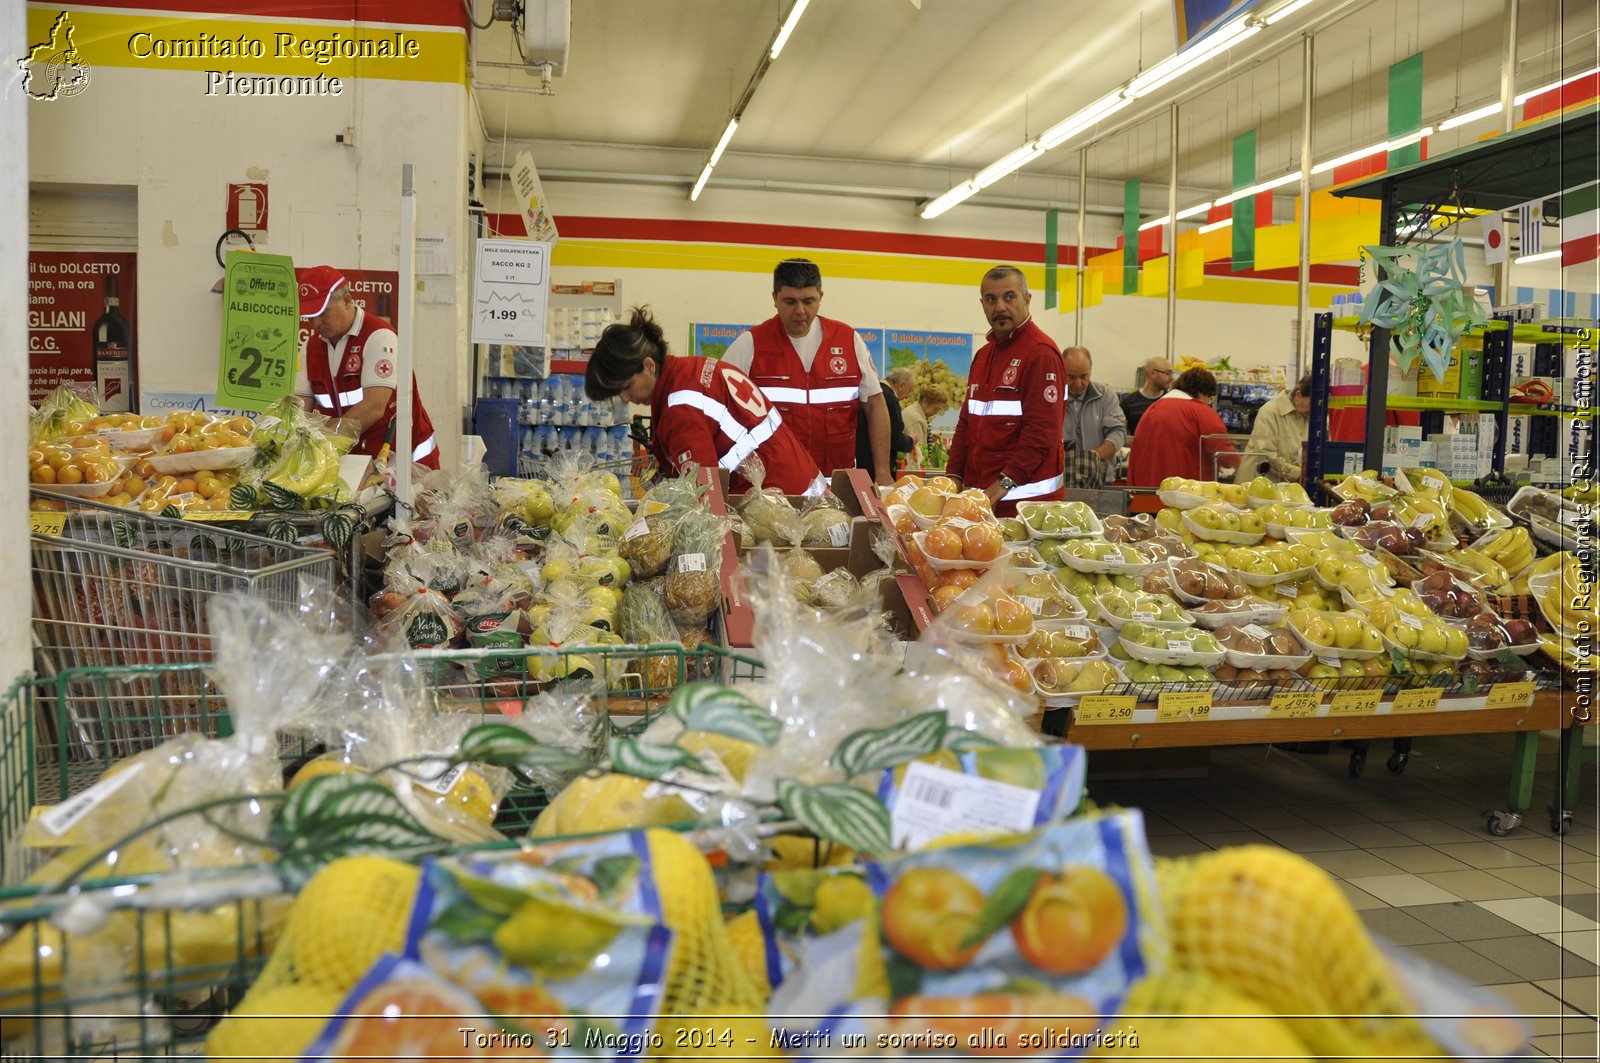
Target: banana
{"x":1493,"y":572}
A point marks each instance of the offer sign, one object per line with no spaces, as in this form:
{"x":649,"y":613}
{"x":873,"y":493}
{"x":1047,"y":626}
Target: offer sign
{"x":511,"y":292}
{"x":260,"y":330}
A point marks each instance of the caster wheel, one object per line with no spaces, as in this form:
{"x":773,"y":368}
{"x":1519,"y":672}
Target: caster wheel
{"x":1358,"y":764}
{"x":1503,"y":823}
{"x":1397,"y":762}
{"x":1560,"y":822}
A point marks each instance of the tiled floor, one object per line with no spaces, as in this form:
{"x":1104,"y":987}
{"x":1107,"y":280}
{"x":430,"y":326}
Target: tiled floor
{"x":1411,"y":851}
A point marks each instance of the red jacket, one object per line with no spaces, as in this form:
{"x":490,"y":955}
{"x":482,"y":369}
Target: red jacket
{"x":819,"y":406}
{"x":334,"y":395}
{"x":1012,"y":422}
{"x":709,"y":413}
{"x":1168,"y":441}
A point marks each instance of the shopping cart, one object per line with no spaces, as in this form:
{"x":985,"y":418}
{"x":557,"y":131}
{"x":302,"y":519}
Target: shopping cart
{"x":115,"y":587}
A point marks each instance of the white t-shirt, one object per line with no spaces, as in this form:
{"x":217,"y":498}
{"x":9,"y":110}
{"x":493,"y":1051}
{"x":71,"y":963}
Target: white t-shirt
{"x":377,"y":357}
{"x":742,"y":351}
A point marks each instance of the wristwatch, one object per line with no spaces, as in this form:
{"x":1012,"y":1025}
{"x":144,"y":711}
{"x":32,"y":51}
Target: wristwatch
{"x":1007,"y":482}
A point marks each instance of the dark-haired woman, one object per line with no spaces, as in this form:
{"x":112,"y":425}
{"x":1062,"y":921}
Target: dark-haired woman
{"x":1168,"y":440}
{"x":702,"y":411}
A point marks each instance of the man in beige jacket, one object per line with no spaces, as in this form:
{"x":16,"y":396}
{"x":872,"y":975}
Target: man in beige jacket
{"x":1278,"y":440}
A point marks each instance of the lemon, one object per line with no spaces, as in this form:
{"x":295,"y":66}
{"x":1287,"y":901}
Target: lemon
{"x":839,"y":901}
{"x":327,"y":764}
{"x":704,"y":973}
{"x":792,"y":852}
{"x":349,"y":914}
{"x":591,"y":804}
{"x":277,"y":1023}
{"x":553,"y":938}
{"x":750,"y":945}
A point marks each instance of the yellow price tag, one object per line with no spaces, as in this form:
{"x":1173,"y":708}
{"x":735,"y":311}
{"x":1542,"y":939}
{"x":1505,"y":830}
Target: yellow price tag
{"x":1295,"y":704}
{"x":1425,"y":699}
{"x":1510,"y":696}
{"x":1105,"y":708}
{"x":41,"y":523}
{"x":218,"y":514}
{"x":1183,"y":705}
{"x":1355,"y":703}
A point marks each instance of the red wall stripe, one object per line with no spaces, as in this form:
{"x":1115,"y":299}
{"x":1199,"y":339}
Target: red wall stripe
{"x":1581,"y":91}
{"x":402,"y":12}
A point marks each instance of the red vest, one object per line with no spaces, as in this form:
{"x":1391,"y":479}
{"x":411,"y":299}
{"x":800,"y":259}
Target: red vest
{"x":333,"y":396}
{"x":819,"y":406}
{"x":708,"y":413}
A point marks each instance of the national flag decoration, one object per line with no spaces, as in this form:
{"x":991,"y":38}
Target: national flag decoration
{"x":1530,"y":219}
{"x":1580,"y":225}
{"x":1494,"y":237}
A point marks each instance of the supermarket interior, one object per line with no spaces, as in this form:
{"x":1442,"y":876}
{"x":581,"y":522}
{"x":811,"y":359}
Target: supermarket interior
{"x":464,"y":621}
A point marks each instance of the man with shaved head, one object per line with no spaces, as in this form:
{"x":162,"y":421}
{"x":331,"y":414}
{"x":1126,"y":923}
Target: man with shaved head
{"x":1157,"y":379}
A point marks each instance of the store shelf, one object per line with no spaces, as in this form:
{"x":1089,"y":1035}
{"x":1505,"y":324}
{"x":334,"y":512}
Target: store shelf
{"x":1523,"y":409}
{"x":1418,"y":402}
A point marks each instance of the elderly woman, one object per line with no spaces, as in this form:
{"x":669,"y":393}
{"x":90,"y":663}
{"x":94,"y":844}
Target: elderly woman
{"x":926,"y":406}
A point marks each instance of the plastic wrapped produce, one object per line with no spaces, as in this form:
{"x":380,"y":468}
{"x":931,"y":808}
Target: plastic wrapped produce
{"x":825,"y":522}
{"x":766,"y":512}
{"x":646,"y":545}
{"x":694,"y":586}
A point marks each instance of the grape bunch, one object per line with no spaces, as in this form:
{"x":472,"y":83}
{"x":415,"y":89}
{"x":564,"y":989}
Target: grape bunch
{"x":936,"y":378}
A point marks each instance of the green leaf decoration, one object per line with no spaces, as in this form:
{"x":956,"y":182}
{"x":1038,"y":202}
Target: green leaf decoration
{"x":840,"y":813}
{"x":338,"y":528}
{"x":1001,"y":906}
{"x":871,"y":751}
{"x":171,"y":512}
{"x":342,"y":815}
{"x":243,"y":496}
{"x":279,"y":497}
{"x":960,"y":740}
{"x":281,"y":530}
{"x":465,"y":922}
{"x":725,"y":711}
{"x":646,"y":760}
{"x":505,"y":746}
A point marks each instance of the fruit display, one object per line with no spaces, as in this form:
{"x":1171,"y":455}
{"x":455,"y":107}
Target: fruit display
{"x":1475,"y":517}
{"x":1365,"y":486}
{"x":1151,"y":677}
{"x":1155,"y":645}
{"x":1280,"y":517}
{"x":1179,"y":493}
{"x":1488,"y":635}
{"x":1336,"y":634}
{"x":1567,"y":599}
{"x":1043,"y":595}
{"x":1072,"y":640}
{"x":1118,"y":528}
{"x":995,"y":617}
{"x":1055,"y":676}
{"x":1117,"y":607}
{"x":1254,"y":646}
{"x":1398,"y":539}
{"x":960,"y":544}
{"x":1059,"y":520}
{"x":1357,"y":574}
{"x":1219,"y":613}
{"x":1194,"y":581}
{"x":1091,"y":555}
{"x":89,"y":472}
{"x":1262,"y":492}
{"x":1264,"y":566}
{"x":1511,"y":548}
{"x":1449,"y":597}
{"x":1219,"y":523}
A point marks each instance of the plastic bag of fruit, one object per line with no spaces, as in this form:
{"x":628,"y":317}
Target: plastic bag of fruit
{"x":825,"y":522}
{"x":62,"y":414}
{"x":411,"y":607}
{"x":694,"y":582}
{"x":765,"y":510}
{"x":646,"y":544}
{"x":931,"y":946}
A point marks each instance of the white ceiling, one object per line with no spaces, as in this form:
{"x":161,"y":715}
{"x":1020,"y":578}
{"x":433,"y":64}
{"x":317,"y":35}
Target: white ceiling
{"x":893,"y":97}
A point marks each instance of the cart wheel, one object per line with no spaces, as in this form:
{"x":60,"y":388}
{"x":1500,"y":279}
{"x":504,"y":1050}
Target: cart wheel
{"x":1504,"y":822}
{"x":1560,"y":820}
{"x":1397,"y":762}
{"x":1358,"y":763}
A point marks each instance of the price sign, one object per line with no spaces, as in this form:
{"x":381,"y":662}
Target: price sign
{"x":1175,"y":705}
{"x":1355,"y":703}
{"x":260,"y":330}
{"x":46,"y":523}
{"x":1510,"y":696}
{"x":511,"y":292}
{"x":1105,"y":708}
{"x":1295,"y":704}
{"x":1422,"y":700}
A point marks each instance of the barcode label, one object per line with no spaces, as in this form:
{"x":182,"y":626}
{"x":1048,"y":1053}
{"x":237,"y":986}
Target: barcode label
{"x":1254,"y":631}
{"x":636,"y":529}
{"x":933,"y":802}
{"x":1288,"y":590}
{"x":1035,"y":605}
{"x":437,"y":779}
{"x":839,"y":534}
{"x":1177,"y":646}
{"x":1411,"y":621}
{"x":1422,"y":521}
{"x":68,"y":813}
{"x":692,"y":563}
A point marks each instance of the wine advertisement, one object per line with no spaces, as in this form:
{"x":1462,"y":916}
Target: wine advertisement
{"x":82,"y":324}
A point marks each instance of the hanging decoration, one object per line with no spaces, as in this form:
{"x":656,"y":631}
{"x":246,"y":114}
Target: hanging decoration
{"x":1425,"y":300}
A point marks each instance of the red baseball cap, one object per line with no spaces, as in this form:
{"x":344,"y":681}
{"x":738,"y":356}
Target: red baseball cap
{"x":317,"y":284}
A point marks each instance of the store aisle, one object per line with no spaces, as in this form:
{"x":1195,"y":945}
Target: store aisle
{"x":1518,"y":914}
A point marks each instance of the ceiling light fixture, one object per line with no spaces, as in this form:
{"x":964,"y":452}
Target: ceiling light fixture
{"x":727,"y":135}
{"x":1485,"y":111}
{"x":1285,"y":11}
{"x":789,"y":24}
{"x":700,"y":183}
{"x":1524,"y":97}
{"x":1540,"y":257}
{"x":1198,"y":208}
{"x":1154,"y":223}
{"x":1214,"y":226}
{"x":1175,"y":66}
{"x":1257,"y":189}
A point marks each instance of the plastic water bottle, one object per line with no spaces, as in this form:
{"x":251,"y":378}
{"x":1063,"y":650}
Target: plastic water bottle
{"x":528,"y":442}
{"x":547,"y":439}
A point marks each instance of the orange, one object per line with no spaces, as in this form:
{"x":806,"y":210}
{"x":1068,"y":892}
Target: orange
{"x":42,"y":474}
{"x":414,"y":1020}
{"x":69,"y":474}
{"x":943,"y":543}
{"x":981,"y":542}
{"x":1071,"y":921}
{"x":928,"y":913}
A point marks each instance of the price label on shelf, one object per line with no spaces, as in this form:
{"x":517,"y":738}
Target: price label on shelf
{"x":1425,"y":699}
{"x":1105,"y":708}
{"x":1355,"y":703}
{"x":1509,"y":696}
{"x":47,"y":523}
{"x":1175,"y":705}
{"x":1294,"y":705}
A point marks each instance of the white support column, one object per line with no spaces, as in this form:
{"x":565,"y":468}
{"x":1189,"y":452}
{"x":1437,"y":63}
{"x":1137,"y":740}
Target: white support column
{"x":1508,"y":121}
{"x":15,"y":553}
{"x":1172,"y":241}
{"x":404,"y":358}
{"x":1302,"y":354}
{"x":1083,"y":214}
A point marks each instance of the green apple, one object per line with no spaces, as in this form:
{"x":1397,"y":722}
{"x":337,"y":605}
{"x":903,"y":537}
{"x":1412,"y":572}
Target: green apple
{"x":1318,"y":632}
{"x":1404,"y":635}
{"x":1207,"y":517}
{"x":1172,"y":483}
{"x":1347,"y":631}
{"x":1351,"y":670}
{"x":1293,"y":493}
{"x":1370,"y":639}
{"x":1230,"y":522}
{"x":1455,"y":644}
{"x":1169,"y":519}
{"x":1239,"y":557}
{"x":1261,"y":487}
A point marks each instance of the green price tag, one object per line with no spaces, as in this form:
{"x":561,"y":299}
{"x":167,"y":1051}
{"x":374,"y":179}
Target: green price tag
{"x":260,"y":330}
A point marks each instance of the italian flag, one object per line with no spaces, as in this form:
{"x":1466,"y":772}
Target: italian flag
{"x":1580,"y":225}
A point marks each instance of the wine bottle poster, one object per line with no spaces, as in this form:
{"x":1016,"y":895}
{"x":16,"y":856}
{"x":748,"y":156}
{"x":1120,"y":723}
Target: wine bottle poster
{"x":78,"y":301}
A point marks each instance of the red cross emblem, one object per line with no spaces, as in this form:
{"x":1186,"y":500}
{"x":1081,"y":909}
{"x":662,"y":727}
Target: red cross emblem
{"x":1050,"y":393}
{"x":352,"y":363}
{"x":1009,"y":377}
{"x":385,"y":368}
{"x":744,"y":392}
{"x":836,"y":366}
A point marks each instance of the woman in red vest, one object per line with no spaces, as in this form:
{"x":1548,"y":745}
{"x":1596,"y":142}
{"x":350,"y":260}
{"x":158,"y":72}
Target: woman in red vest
{"x":1168,"y":440}
{"x":702,"y":411}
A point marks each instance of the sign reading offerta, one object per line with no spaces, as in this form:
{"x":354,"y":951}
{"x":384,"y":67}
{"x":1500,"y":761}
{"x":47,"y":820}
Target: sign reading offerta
{"x":71,"y":294}
{"x":260,"y":330}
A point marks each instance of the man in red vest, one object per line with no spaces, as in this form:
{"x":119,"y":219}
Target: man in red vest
{"x":817,"y":371}
{"x":1008,"y":436}
{"x":348,"y":369}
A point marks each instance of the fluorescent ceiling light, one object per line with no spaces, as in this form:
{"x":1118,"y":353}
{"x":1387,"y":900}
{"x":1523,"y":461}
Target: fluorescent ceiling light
{"x":1349,"y":157}
{"x":1214,"y":226}
{"x":1285,"y":11}
{"x":1485,"y":111}
{"x":700,"y":183}
{"x":964,"y":191}
{"x":1006,"y":164}
{"x":1198,"y":208}
{"x":789,"y":24}
{"x":1540,"y":257}
{"x":1154,"y":223}
{"x":1182,"y":62}
{"x":1065,"y":130}
{"x":1524,"y":97}
{"x":1257,"y":189}
{"x":727,"y":135}
{"x":1411,"y":138}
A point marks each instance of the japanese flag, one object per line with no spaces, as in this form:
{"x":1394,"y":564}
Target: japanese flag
{"x":1494,"y":237}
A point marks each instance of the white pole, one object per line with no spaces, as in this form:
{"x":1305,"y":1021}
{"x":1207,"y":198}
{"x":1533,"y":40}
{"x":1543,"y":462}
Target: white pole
{"x":1083,"y":209}
{"x":1508,"y":118}
{"x":1302,"y":354}
{"x":1172,"y":239}
{"x":16,"y":587}
{"x":401,"y":458}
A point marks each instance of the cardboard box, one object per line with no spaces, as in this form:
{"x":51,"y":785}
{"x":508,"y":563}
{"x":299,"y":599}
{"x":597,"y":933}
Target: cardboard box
{"x":1463,"y":379}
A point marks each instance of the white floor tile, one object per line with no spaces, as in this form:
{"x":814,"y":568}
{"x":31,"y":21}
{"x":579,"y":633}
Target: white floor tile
{"x":1538,"y":915}
{"x":1585,"y":943}
{"x":1403,"y":890}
